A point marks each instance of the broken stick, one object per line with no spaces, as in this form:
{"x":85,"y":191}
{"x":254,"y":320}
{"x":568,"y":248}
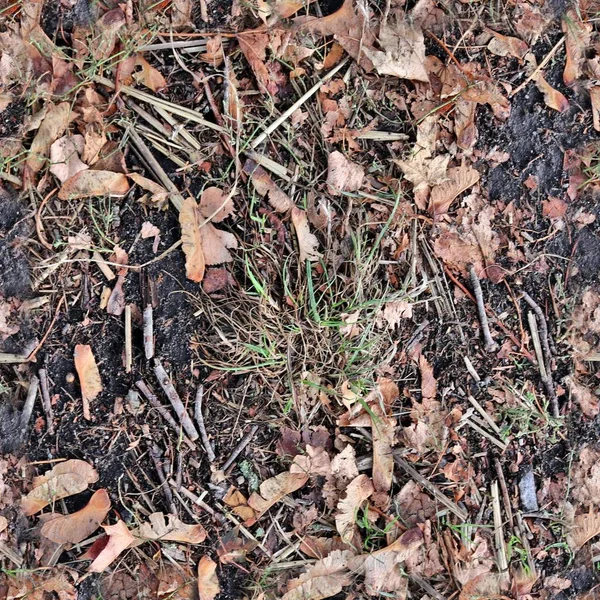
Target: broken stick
{"x":46,"y":402}
{"x":490,"y":344}
{"x":210,"y":453}
{"x":238,"y":449}
{"x":173,"y":396}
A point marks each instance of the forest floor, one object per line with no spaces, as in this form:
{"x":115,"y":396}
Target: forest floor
{"x":299,"y":300}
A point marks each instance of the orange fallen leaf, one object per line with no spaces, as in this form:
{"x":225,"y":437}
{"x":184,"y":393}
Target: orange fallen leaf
{"x":358,"y":490}
{"x":208,"y":582}
{"x":266,"y":187}
{"x":90,"y":183}
{"x":307,"y":241}
{"x":89,"y":376}
{"x":189,"y":219}
{"x":149,"y":76}
{"x":76,"y":527}
{"x":239,"y":505}
{"x":552,"y":97}
{"x":175,"y":531}
{"x":215,"y":205}
{"x":63,"y":480}
{"x":119,"y":539}
{"x":274,"y":489}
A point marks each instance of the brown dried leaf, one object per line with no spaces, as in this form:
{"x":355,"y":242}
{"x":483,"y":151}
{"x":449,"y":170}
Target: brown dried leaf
{"x":40,"y":585}
{"x":274,"y":489}
{"x":343,"y":175}
{"x":208,"y":582}
{"x":595,"y":100}
{"x":215,"y":244}
{"x":414,"y":505}
{"x":381,"y":568}
{"x":587,"y":400}
{"x":584,"y":527}
{"x":315,"y":462}
{"x":239,"y":505}
{"x":424,"y":172}
{"x":505,"y":45}
{"x":232,"y":102}
{"x":324,"y":579}
{"x":119,"y":539}
{"x":307,"y":241}
{"x":460,"y":179}
{"x":147,"y":184}
{"x":76,"y":527}
{"x":577,"y":39}
{"x":403,"y":52}
{"x":393,"y":313}
{"x":265,"y":186}
{"x":181,"y":14}
{"x":95,"y":139}
{"x":175,"y":531}
{"x":486,"y":585}
{"x":64,"y":157}
{"x":89,"y":375}
{"x":384,"y":437}
{"x":215,"y":205}
{"x":552,"y":97}
{"x":63,"y":480}
{"x":190,"y":219}
{"x":91,"y":182}
{"x":254,"y":47}
{"x":52,"y":127}
{"x":149,"y":76}
{"x":358,"y":490}
{"x":343,"y":470}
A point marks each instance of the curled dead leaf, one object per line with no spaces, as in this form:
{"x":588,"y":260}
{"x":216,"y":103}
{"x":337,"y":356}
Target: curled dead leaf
{"x":119,"y":539}
{"x":91,"y":183}
{"x":307,"y":241}
{"x":77,"y":526}
{"x":175,"y":531}
{"x":342,"y":174}
{"x":460,"y":179}
{"x":358,"y":490}
{"x":274,"y":489}
{"x":266,"y":187}
{"x":51,"y":128}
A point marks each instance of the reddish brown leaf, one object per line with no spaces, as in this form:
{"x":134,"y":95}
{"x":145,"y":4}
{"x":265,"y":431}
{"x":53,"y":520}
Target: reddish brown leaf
{"x":208,"y":582}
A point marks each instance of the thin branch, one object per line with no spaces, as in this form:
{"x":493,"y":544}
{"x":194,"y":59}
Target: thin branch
{"x":210,"y":453}
{"x":238,"y":449}
{"x":490,"y":344}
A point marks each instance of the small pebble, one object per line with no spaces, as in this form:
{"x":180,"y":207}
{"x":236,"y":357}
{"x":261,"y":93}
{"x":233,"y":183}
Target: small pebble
{"x":527,"y":491}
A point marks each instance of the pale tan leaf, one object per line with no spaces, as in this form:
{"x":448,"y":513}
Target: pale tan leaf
{"x":343,"y":175}
{"x":381,"y":569}
{"x":181,"y":14}
{"x":324,"y":579}
{"x":232,"y":101}
{"x":424,"y":172}
{"x":40,"y":584}
{"x":384,"y":435}
{"x":584,"y":527}
{"x":403,"y":52}
{"x":147,"y":184}
{"x":358,"y":490}
{"x":76,"y":527}
{"x":307,"y":241}
{"x":552,"y":97}
{"x":89,"y":375}
{"x":595,"y":100}
{"x":190,"y":219}
{"x":216,"y":244}
{"x":95,"y":139}
{"x":428,"y":381}
{"x":343,"y":470}
{"x":208,"y":582}
{"x":65,"y":479}
{"x":52,"y":127}
{"x":148,"y":230}
{"x":90,"y":183}
{"x":266,"y":187}
{"x":314,"y":462}
{"x":64,"y":157}
{"x":486,"y":585}
{"x":215,"y":205}
{"x":393,"y":313}
{"x":3,"y":523}
{"x":274,"y":489}
{"x":505,"y":45}
{"x":175,"y":531}
{"x":577,"y":40}
{"x":460,"y":179}
{"x":119,"y":539}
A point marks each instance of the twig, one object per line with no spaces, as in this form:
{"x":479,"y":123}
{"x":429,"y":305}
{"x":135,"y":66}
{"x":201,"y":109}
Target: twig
{"x":490,"y":344}
{"x":103,"y":266}
{"x":426,"y":586}
{"x":34,"y":384}
{"x":431,"y":488}
{"x":162,"y":411}
{"x":485,"y":415}
{"x":313,"y":90}
{"x":148,"y":317}
{"x":210,"y":454}
{"x":238,"y":449}
{"x":484,"y":433}
{"x":32,"y":356}
{"x":155,"y":454}
{"x":472,"y":372}
{"x":46,"y":402}
{"x":128,"y":343}
{"x":173,"y":396}
{"x":499,"y":531}
{"x":505,"y":494}
{"x":535,"y":72}
{"x":198,"y":501}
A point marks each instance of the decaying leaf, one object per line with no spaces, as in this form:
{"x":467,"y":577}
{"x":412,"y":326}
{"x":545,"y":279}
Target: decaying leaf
{"x":89,"y":376}
{"x":215,"y":205}
{"x":552,"y":97}
{"x":324,"y":579}
{"x":584,"y":527}
{"x":159,"y":193}
{"x":40,"y":584}
{"x":486,"y":585}
{"x":384,"y":432}
{"x":315,"y":462}
{"x":307,"y":241}
{"x":266,"y":187}
{"x":343,"y":471}
{"x":381,"y":569}
{"x":91,"y":183}
{"x":358,"y":490}
{"x":76,"y":527}
{"x":189,"y":219}
{"x":460,"y":179}
{"x":149,"y":76}
{"x":239,"y":505}
{"x":63,"y":480}
{"x":403,"y":51}
{"x":157,"y":529}
{"x":595,"y":100}
{"x":274,"y":489}
{"x":587,"y":400}
{"x":342,"y":174}
{"x":208,"y":582}
{"x":254,"y":47}
{"x":64,"y":157}
{"x":577,"y":39}
{"x":504,"y":45}
{"x":424,"y":172}
{"x":52,"y":127}
{"x":119,"y":539}
{"x":216,"y":244}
